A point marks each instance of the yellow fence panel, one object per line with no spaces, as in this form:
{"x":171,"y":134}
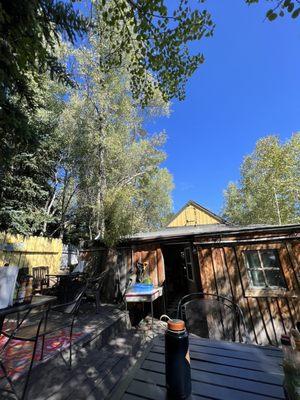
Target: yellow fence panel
{"x":30,"y":251}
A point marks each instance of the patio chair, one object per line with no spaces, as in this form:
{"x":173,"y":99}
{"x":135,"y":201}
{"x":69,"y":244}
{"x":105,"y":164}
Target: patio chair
{"x":40,"y":279}
{"x":36,"y":329}
{"x":212,"y":316}
{"x":94,"y":288}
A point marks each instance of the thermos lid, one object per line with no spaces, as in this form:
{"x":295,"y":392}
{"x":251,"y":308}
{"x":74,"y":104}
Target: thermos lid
{"x":176,"y":325}
{"x":285,"y":340}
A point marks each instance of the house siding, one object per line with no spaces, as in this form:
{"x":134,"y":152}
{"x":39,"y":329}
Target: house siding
{"x":152,"y":255}
{"x":192,"y":216}
{"x":268,"y":313}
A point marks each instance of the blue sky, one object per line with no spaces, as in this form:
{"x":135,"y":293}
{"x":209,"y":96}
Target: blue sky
{"x":247,"y":88}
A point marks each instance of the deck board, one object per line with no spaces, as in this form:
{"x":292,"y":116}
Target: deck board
{"x":92,"y":358}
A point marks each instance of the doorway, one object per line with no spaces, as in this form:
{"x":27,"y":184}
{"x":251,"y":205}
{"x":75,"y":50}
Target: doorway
{"x":180,"y":274}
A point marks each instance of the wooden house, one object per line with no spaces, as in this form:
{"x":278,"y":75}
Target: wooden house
{"x":256,"y":266}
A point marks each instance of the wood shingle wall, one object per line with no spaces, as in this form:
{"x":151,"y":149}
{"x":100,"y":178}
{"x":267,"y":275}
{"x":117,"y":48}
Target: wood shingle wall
{"x":268,"y":312}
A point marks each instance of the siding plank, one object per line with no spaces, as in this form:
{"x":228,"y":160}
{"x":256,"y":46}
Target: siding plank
{"x":160,"y":266}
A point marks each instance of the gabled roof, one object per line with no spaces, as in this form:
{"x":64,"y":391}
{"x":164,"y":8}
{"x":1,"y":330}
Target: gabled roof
{"x":200,"y":208}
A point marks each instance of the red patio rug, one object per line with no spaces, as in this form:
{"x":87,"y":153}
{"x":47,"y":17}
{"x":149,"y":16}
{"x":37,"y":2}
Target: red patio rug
{"x":18,"y":353}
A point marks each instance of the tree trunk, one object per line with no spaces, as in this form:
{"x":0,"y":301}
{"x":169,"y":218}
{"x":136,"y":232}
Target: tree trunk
{"x":63,"y":207}
{"x":48,"y":209}
{"x":102,"y":184}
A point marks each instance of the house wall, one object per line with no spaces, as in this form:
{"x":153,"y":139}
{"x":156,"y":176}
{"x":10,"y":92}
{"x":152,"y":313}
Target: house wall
{"x":153,"y":255}
{"x":120,"y":262}
{"x":191,"y":215}
{"x":268,"y":312}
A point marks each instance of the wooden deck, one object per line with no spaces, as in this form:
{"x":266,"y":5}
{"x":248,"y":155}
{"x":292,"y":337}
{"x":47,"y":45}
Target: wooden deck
{"x":113,"y":362}
{"x":94,"y":375}
{"x":98,"y":354}
{"x":220,"y":371}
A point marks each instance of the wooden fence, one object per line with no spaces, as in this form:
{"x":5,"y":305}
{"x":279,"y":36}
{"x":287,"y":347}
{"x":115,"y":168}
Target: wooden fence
{"x":30,"y":251}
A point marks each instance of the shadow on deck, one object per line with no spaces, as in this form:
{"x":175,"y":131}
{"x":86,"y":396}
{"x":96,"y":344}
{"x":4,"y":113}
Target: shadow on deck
{"x":105,"y":347}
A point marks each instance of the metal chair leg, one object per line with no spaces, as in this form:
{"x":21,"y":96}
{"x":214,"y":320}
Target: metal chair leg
{"x":29,"y":371}
{"x":32,"y":359}
{"x":164,"y":301}
{"x":46,"y":312}
{"x":42,"y":350}
{"x":8,"y":380}
{"x":97,"y":295}
{"x":70,"y":348}
{"x":71,"y":338}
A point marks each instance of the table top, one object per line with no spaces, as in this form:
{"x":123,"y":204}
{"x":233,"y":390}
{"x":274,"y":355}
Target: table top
{"x":36,"y":301}
{"x":64,"y":275}
{"x":220,"y":371}
{"x":132,"y":296}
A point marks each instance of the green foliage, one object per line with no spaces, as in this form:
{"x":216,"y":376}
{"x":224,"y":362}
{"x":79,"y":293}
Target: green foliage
{"x":86,"y":166}
{"x":152,"y":38}
{"x":83,"y":165}
{"x":42,"y":170}
{"x":281,"y":8}
{"x":115,"y":162}
{"x":29,"y":33}
{"x":269,"y":187}
{"x":27,"y":165}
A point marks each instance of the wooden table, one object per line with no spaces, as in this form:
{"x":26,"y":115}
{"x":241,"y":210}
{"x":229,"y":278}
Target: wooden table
{"x":37,"y":301}
{"x":59,"y":276}
{"x":65,"y":293}
{"x":220,"y":371}
{"x":144,"y":297}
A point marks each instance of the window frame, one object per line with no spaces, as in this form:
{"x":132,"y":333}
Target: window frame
{"x":189,"y":263}
{"x":263,"y":269}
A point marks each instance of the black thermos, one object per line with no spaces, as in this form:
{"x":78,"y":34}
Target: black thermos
{"x":178,"y":370}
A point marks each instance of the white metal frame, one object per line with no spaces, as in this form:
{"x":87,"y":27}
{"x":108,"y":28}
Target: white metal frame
{"x":263,"y":269}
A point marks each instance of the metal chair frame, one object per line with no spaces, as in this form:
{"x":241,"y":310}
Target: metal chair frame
{"x":42,"y":318}
{"x":238,"y":317}
{"x":94,"y":286}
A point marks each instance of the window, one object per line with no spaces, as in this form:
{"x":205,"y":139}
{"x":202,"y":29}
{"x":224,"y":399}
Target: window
{"x":264,"y":270}
{"x":189,"y":263}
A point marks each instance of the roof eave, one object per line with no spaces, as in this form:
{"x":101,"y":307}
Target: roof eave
{"x":188,"y":236}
